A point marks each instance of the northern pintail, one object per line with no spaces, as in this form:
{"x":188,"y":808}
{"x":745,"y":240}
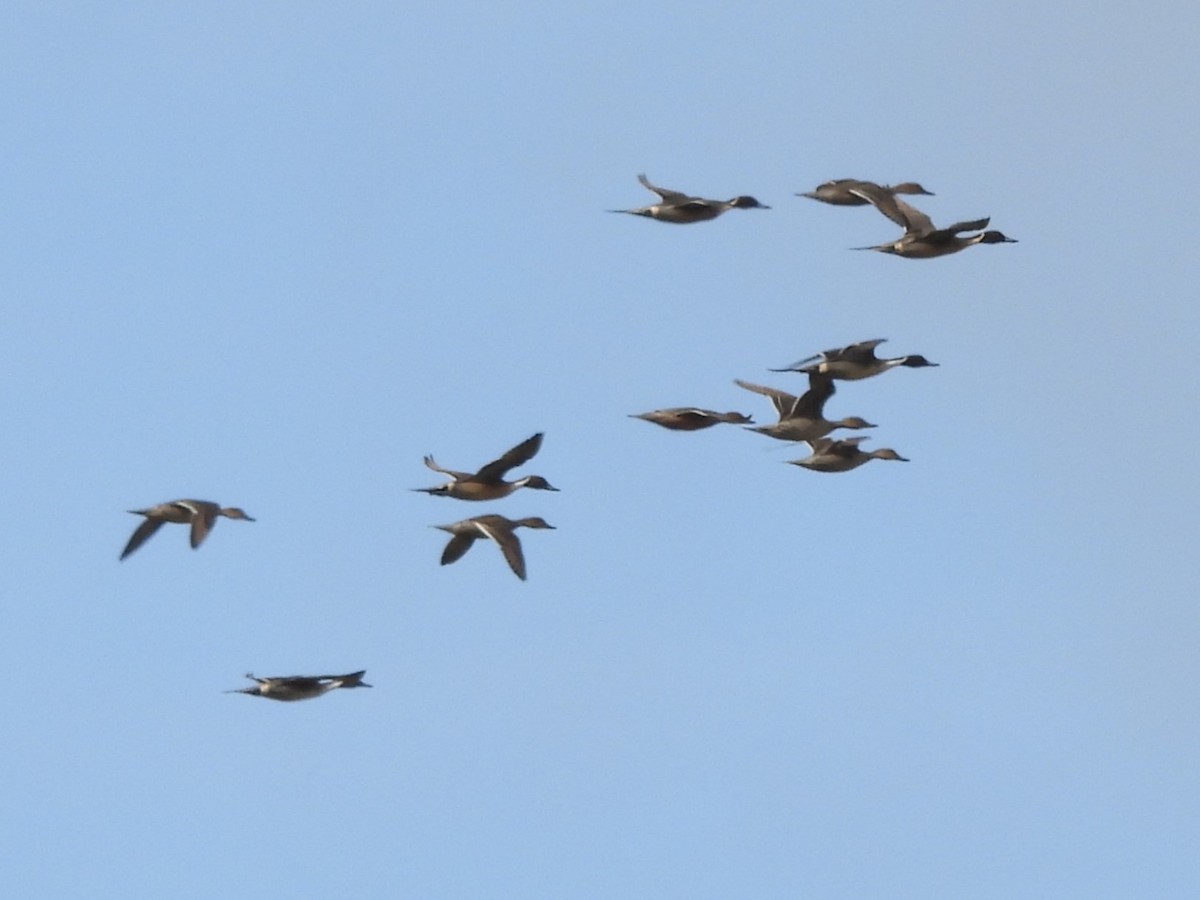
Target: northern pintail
{"x":921,"y":240}
{"x":690,"y":418}
{"x":495,"y":528}
{"x":855,"y":361}
{"x":683,"y":209}
{"x":801,"y":418}
{"x":840,"y":192}
{"x":829,"y":455}
{"x":200,"y":514}
{"x":488,"y":483}
{"x":300,"y":687}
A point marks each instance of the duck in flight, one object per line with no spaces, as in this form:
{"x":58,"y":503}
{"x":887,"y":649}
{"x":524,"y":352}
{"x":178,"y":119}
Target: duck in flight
{"x":200,"y":514}
{"x":854,"y":361}
{"x":683,"y":209}
{"x":300,"y":687}
{"x":691,"y":418}
{"x":488,"y":483}
{"x":840,"y":191}
{"x":494,"y":528}
{"x":802,"y":418}
{"x":921,"y":239}
{"x":829,"y":455}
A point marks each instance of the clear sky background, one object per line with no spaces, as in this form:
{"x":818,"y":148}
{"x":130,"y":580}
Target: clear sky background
{"x":271,"y":254}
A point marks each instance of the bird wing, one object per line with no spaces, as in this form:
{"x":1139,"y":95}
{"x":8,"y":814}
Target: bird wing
{"x":141,"y":534}
{"x":810,"y":405}
{"x":913,"y":220}
{"x":458,"y":545}
{"x":304,"y":682}
{"x":457,"y":476}
{"x":977,"y":225}
{"x":844,"y":448}
{"x":863,"y":351}
{"x":908,"y":217}
{"x":202,"y":523}
{"x":509,"y":545}
{"x":675,"y":198}
{"x":518,"y":455}
{"x":784,"y":403}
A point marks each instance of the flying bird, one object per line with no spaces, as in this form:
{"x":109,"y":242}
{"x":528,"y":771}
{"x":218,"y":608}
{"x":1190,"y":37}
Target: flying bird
{"x":921,"y":239}
{"x":495,"y":528}
{"x":300,"y":687}
{"x":488,"y":483}
{"x":691,"y":418}
{"x":829,"y":455}
{"x":841,"y":191}
{"x":683,"y":209}
{"x":802,"y":418}
{"x":854,"y":361}
{"x":200,"y":514}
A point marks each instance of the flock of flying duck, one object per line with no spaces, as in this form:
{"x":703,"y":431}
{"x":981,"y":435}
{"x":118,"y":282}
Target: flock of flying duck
{"x":803,"y":418}
{"x":800,"y":418}
{"x":920,"y":240}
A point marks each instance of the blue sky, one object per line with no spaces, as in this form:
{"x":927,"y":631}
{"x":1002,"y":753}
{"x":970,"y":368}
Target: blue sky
{"x":272,"y":254}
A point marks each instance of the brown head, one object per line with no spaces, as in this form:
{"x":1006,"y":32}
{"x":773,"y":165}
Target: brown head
{"x":746,"y":203}
{"x":910,"y":187}
{"x":532,"y":522}
{"x":537,"y":482}
{"x":854,"y":422}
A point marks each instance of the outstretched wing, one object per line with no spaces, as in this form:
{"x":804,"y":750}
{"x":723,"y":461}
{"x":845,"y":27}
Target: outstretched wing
{"x":785,"y":403}
{"x":458,"y":545}
{"x":141,"y":534}
{"x":518,"y":455}
{"x":674,"y":198}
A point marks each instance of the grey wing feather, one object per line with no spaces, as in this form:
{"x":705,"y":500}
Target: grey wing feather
{"x":518,"y":455}
{"x":668,"y":196}
{"x":201,"y":524}
{"x":911,"y":219}
{"x":510,"y":546}
{"x":141,"y":534}
{"x":863,"y":351}
{"x":977,"y":225}
{"x":820,"y":389}
{"x":457,"y":476}
{"x":458,"y":545}
{"x":784,"y":402}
